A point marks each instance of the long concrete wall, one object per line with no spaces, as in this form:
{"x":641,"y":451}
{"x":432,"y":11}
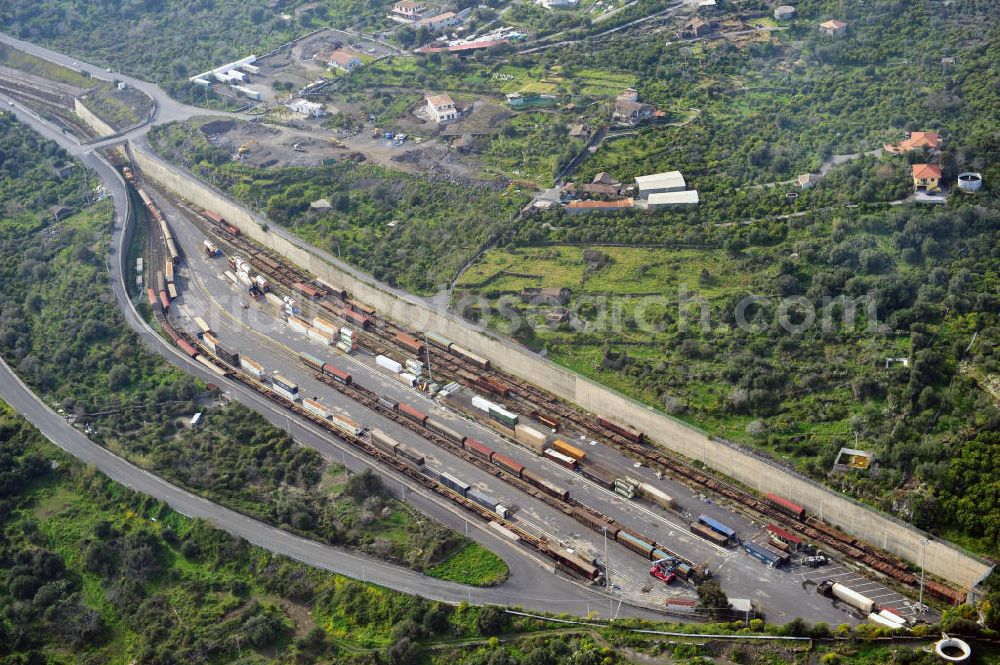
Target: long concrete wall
{"x":940,"y":557}
{"x":90,"y":118}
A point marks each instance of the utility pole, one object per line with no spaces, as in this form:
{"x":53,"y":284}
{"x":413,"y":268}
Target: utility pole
{"x":427,"y":350}
{"x":607,"y":564}
{"x":923,"y":546}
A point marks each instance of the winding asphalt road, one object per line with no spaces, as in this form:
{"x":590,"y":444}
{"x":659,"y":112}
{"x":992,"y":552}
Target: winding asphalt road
{"x":532,"y":583}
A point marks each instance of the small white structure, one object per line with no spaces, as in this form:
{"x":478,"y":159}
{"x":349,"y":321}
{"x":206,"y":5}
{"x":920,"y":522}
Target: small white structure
{"x":439,"y":22}
{"x":970,"y":182}
{"x":666,"y":199}
{"x":784,"y":12}
{"x":668,"y":181}
{"x":833,"y":28}
{"x":441,"y":108}
{"x":342,"y":60}
{"x":249,"y":93}
{"x":558,"y":4}
{"x":230,"y":76}
{"x":306,"y":108}
{"x":407,"y":10}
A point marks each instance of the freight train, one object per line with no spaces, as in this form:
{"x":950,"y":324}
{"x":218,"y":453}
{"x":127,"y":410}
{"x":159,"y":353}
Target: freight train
{"x":454,"y":349}
{"x":168,"y":237}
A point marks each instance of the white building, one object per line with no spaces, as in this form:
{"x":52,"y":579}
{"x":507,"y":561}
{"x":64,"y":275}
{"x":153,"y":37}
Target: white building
{"x":306,"y":108}
{"x":407,"y":10}
{"x":558,"y":4}
{"x":230,"y":76}
{"x":669,"y":181}
{"x":249,"y":93}
{"x":664,"y":199}
{"x":439,"y":22}
{"x":441,"y":108}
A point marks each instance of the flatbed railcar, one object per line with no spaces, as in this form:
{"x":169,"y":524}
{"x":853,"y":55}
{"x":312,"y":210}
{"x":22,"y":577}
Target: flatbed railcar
{"x":627,"y":432}
{"x":785,"y":506}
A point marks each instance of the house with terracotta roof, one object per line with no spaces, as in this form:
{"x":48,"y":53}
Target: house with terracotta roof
{"x":441,"y":108}
{"x":926,"y":177}
{"x":629,"y":110}
{"x":407,"y":10}
{"x":917,"y":141}
{"x":341,"y":60}
{"x":833,"y":28}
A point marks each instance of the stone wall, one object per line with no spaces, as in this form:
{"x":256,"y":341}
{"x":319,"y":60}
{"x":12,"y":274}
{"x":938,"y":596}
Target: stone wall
{"x":941,"y":558}
{"x":90,"y":118}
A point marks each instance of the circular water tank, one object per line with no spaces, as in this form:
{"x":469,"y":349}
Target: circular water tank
{"x":953,"y":650}
{"x":784,"y":12}
{"x":970,"y":182}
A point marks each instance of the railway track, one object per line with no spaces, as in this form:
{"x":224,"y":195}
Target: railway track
{"x":379,"y":339}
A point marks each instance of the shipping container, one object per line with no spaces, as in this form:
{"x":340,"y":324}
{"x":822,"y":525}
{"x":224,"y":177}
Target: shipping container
{"x":200,"y":322}
{"x":763,"y":554}
{"x":338,"y":375}
{"x":227,"y":356}
{"x":286,"y":393}
{"x":777,"y":533}
{"x":312,"y":361}
{"x":346,"y":424}
{"x":322,"y":324}
{"x":172,"y":291}
{"x":530,"y":437}
{"x":546,"y":486}
{"x":504,"y":462}
{"x":411,"y":344}
{"x":635,"y":543}
{"x":279,"y":380}
{"x":884,"y":622}
{"x":708,"y":534}
{"x":347,"y":333}
{"x":412,"y":455}
{"x":444,"y":430}
{"x":388,"y":402}
{"x":576,"y":563}
{"x":389,"y":364}
{"x":262,"y":283}
{"x":168,"y":271}
{"x":439,"y":340}
{"x":315,"y":407}
{"x":321,"y":337}
{"x":483,"y":404}
{"x":384,"y":442}
{"x":716,"y":526}
{"x":503,"y":416}
{"x":656,"y":495}
{"x":785,"y":506}
{"x":478,"y":448}
{"x":569,"y":450}
{"x":599,"y":474}
{"x":483,"y":499}
{"x":252,"y":368}
{"x":407,"y":379}
{"x":454,"y":483}
{"x":559,"y":458}
{"x":412,"y":414}
{"x":414,"y":366}
{"x":231,"y":276}
{"x":298,"y":325}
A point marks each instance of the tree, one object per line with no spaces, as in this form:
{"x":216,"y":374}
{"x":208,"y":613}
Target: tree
{"x":712,"y":599}
{"x":491,"y":621}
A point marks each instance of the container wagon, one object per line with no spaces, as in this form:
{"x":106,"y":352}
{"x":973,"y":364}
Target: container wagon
{"x":411,"y":344}
{"x":312,"y":361}
{"x":338,"y":375}
{"x":252,"y":368}
{"x":172,"y":291}
{"x":482,"y":499}
{"x":453,"y":483}
{"x":569,"y":450}
{"x":384,"y":442}
{"x":475,"y":359}
{"x":187,"y":348}
{"x":627,"y":432}
{"x":785,"y":506}
{"x":594,"y":522}
{"x":285,"y":388}
{"x":308,"y":290}
{"x":541,"y":483}
{"x":599,"y":474}
{"x":347,"y":425}
{"x":560,"y":459}
{"x":316,"y":408}
{"x":717,"y":526}
{"x":476,"y":448}
{"x":764,"y":555}
{"x":161,"y":284}
{"x":444,"y":430}
{"x":634,"y":542}
{"x":168,"y":271}
{"x":153,"y":300}
{"x":412,"y":414}
{"x":506,"y":463}
{"x":699,"y":529}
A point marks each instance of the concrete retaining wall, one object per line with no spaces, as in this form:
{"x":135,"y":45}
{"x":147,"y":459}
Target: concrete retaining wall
{"x":941,"y":558}
{"x":91,"y":120}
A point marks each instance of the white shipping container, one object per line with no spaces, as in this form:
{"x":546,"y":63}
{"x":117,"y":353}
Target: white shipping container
{"x":502,"y":511}
{"x":232,"y":277}
{"x":244,"y":278}
{"x":389,"y":364}
{"x":315,"y":407}
{"x":284,"y":392}
{"x":262,"y":282}
{"x":483,"y":404}
{"x":892,"y":616}
{"x":348,"y":333}
{"x":251,"y":367}
{"x":210,"y":341}
{"x":274,"y":300}
{"x":348,"y":425}
{"x":298,"y":325}
{"x":656,"y":495}
{"x":320,"y":336}
{"x":345,"y":347}
{"x":407,"y":379}
{"x":414,"y":366}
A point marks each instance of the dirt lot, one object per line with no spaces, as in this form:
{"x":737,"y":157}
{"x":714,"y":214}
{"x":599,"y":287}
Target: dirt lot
{"x":309,"y":144}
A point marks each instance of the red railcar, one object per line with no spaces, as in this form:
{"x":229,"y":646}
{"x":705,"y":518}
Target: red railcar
{"x":229,"y":228}
{"x":187,"y":348}
{"x":164,"y":301}
{"x":338,"y":375}
{"x":412,"y":413}
{"x":411,"y":344}
{"x":153,"y":301}
{"x":506,"y":463}
{"x":214,"y":216}
{"x":786,"y":506}
{"x":361,"y":308}
{"x":308,"y":290}
{"x":778,"y":533}
{"x":357,"y":319}
{"x":477,"y":448}
{"x":627,"y":432}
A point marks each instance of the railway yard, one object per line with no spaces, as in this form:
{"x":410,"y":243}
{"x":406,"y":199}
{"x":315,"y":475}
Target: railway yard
{"x":586,"y":494}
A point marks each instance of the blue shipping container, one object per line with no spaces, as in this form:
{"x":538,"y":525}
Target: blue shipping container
{"x":758,"y":552}
{"x":635,"y":544}
{"x":454,"y":483}
{"x":482,"y":499}
{"x":715,"y":525}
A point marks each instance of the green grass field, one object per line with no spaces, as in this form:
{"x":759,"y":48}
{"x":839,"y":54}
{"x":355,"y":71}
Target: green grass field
{"x":473,"y":564}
